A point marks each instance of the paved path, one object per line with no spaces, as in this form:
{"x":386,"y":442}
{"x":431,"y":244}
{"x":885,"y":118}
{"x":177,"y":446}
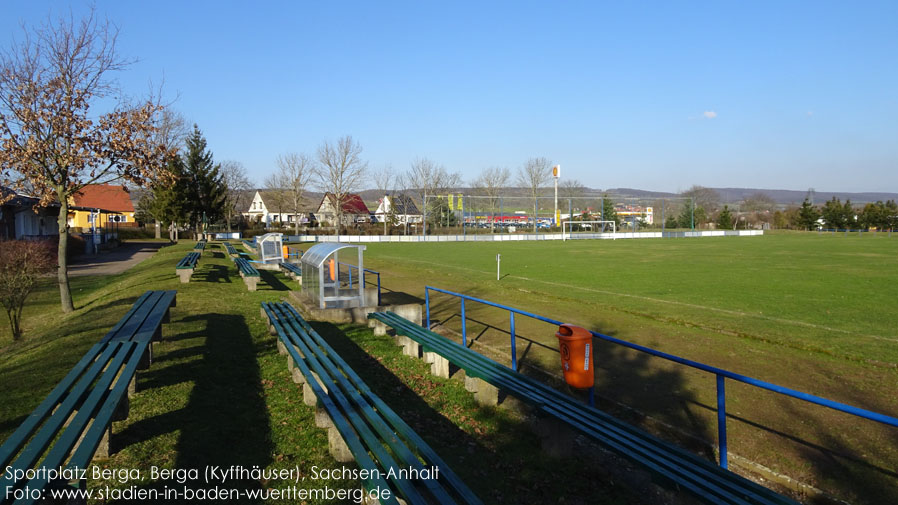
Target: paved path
{"x":115,"y":261}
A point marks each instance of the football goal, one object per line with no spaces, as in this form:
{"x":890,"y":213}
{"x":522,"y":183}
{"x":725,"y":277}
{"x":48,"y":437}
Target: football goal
{"x":586,"y":226}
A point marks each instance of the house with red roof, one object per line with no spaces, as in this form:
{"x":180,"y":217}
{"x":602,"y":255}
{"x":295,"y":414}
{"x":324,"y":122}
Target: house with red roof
{"x":354,"y":209}
{"x":107,"y":203}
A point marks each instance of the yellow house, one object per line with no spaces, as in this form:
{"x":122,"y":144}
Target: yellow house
{"x":109,"y":204}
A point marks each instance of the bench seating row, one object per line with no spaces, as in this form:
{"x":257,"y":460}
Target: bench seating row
{"x":248,"y":272}
{"x":76,"y":417}
{"x":362,"y":426}
{"x":186,"y":266}
{"x":673,"y":465}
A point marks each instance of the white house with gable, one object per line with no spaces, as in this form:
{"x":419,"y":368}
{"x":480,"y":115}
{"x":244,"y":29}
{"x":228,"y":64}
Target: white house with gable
{"x":259,"y":211}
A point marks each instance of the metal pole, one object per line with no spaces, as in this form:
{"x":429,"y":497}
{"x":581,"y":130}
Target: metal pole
{"x":693,"y":214}
{"x":464,"y":326}
{"x":498,"y":264}
{"x":722,"y":420}
{"x":662,"y":217}
{"x":427,"y":305}
{"x":349,"y":267}
{"x":378,"y":288}
{"x":514,"y":354}
{"x":555,"y":216}
{"x":592,"y":396}
{"x":570,"y":218}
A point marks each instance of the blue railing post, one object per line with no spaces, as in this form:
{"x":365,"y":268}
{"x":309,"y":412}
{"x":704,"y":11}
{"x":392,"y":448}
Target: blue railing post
{"x":464,"y":325}
{"x":514,"y":354}
{"x":349,"y":267}
{"x":427,"y":306}
{"x":378,"y":288}
{"x":722,"y":420}
{"x":592,"y":396}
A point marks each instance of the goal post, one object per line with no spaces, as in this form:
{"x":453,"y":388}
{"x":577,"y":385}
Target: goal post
{"x":594,"y":226}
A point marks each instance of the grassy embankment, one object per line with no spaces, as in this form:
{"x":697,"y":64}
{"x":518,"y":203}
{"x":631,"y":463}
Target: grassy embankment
{"x":219,"y":394}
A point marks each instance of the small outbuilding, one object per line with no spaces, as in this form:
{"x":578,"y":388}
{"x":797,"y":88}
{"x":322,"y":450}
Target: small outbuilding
{"x":321,"y":276}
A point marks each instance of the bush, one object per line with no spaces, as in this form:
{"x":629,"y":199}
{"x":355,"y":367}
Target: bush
{"x":22,"y":263}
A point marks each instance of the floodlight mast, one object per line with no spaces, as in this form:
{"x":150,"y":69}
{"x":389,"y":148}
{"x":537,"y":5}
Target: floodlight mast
{"x":556,"y":173}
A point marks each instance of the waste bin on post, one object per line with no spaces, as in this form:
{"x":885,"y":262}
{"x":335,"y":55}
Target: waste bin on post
{"x":576,"y":361}
{"x":286,"y":252}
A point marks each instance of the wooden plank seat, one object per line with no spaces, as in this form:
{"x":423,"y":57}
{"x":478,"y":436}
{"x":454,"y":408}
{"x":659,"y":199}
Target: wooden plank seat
{"x":230,"y":249}
{"x":73,"y":424}
{"x":671,"y":464}
{"x":248,"y":272}
{"x":292,"y":270}
{"x":200,"y":246}
{"x":361,"y":426}
{"x":186,"y":266}
{"x":250,"y":246}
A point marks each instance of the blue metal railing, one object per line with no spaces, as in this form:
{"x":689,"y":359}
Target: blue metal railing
{"x":349,"y":269}
{"x":720,"y":373}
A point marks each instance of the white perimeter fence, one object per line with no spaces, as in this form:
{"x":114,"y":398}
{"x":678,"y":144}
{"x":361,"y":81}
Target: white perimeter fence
{"x":501,"y":237}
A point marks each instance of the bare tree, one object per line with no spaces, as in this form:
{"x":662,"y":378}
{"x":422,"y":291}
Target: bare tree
{"x":490,"y":183}
{"x":234,"y":176}
{"x":275,"y":194}
{"x":52,"y":141}
{"x":385,"y":180}
{"x":427,"y":178}
{"x":295,"y":174}
{"x":705,"y":198}
{"x":173,"y":129}
{"x":572,"y":188}
{"x":533,"y":175}
{"x":339,"y":172}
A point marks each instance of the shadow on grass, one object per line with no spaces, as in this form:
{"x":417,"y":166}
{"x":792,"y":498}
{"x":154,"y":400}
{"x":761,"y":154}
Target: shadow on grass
{"x":494,"y":455}
{"x":274,"y":284}
{"x":225,"y":421}
{"x":213,"y":273}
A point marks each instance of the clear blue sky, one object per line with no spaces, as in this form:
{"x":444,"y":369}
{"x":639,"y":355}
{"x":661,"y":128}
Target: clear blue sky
{"x":657,"y":95}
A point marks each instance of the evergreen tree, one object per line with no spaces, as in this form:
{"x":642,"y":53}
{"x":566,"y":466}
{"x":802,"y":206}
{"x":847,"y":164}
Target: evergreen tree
{"x":608,"y":212}
{"x":725,"y":219}
{"x":807,"y":215}
{"x":834,"y":214}
{"x":206,"y":190}
{"x":671,"y":222}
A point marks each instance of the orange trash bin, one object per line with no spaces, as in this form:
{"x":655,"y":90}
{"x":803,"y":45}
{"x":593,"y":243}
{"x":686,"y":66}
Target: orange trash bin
{"x":331,"y":270}
{"x":286,"y":252}
{"x":576,"y":361}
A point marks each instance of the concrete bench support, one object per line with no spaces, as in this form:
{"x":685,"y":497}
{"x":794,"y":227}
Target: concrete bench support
{"x":486,"y":393}
{"x":184,"y":274}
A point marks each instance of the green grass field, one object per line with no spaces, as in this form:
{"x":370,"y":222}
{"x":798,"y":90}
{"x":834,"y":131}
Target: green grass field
{"x":817,"y":313}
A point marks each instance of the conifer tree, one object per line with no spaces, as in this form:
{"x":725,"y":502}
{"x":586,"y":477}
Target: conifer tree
{"x":807,"y":215}
{"x":725,"y":219}
{"x":206,"y":190}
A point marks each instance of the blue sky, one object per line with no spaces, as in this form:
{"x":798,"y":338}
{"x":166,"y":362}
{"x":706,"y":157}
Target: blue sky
{"x":651,"y":95}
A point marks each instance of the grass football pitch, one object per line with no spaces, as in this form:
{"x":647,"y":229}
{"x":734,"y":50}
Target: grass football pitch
{"x":813,"y":312}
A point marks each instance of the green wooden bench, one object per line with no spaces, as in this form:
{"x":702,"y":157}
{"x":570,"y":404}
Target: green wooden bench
{"x":250,"y":246}
{"x":230,"y":249}
{"x":248,"y":272}
{"x":294,"y":271}
{"x":361,"y":425}
{"x":200,"y":246}
{"x":673,"y":465}
{"x":73,"y":424}
{"x":186,"y":266}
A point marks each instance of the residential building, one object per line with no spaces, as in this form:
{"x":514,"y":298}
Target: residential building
{"x":266,"y":213}
{"x":99,"y":205}
{"x":354,"y":210}
{"x":20,"y":218}
{"x":401,"y":207}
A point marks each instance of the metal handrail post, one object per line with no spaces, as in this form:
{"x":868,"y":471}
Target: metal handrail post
{"x":464,"y":325}
{"x":514,"y":354}
{"x":427,"y":306}
{"x":722,"y":420}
